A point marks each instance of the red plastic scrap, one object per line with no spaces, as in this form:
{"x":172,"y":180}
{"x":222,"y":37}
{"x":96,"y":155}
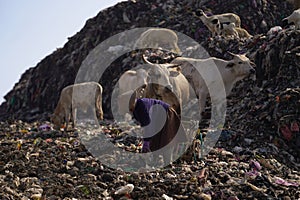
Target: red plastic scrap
{"x":295,"y":127}
{"x":286,"y":133}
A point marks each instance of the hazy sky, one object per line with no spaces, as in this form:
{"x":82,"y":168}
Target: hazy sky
{"x":32,"y":29}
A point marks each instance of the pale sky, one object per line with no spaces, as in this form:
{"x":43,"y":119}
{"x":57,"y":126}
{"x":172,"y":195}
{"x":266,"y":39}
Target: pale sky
{"x":32,"y":29}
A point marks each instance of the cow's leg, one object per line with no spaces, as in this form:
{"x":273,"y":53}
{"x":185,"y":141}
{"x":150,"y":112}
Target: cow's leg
{"x":201,"y":102}
{"x":67,"y":119}
{"x":74,"y":115}
{"x":93,"y":111}
{"x":99,"y":108}
{"x":168,"y":155}
{"x":219,"y":113}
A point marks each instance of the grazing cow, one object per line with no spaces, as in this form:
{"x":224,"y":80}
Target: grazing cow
{"x":294,"y":18}
{"x":124,"y":101}
{"x":128,"y":82}
{"x":82,"y":96}
{"x":211,"y":21}
{"x":158,"y":37}
{"x":231,"y":71}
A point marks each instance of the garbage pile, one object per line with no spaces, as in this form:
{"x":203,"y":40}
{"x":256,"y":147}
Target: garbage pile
{"x":269,"y":107}
{"x":256,"y":156}
{"x":35,"y":96}
{"x":38,"y":162}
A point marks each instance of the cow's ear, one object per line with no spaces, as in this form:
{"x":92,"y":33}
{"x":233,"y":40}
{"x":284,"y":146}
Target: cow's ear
{"x":214,"y":21}
{"x":174,"y":73}
{"x":233,"y":54}
{"x":230,"y":65}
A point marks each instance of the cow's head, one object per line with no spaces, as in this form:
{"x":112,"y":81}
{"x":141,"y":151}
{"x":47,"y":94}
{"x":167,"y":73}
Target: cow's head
{"x":160,"y":74}
{"x":241,"y":66}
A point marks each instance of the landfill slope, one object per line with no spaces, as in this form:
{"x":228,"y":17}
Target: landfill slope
{"x":256,"y":156}
{"x":36,"y":94}
{"x":261,"y":108}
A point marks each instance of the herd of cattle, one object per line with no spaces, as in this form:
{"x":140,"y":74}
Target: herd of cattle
{"x":168,"y":82}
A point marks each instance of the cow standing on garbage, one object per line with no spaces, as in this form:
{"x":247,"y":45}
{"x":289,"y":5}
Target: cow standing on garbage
{"x":158,"y":38}
{"x":231,"y":71}
{"x":78,"y":97}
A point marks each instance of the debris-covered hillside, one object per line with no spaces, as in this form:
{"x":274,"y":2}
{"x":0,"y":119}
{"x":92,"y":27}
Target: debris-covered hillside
{"x":257,"y":154}
{"x":37,"y":92}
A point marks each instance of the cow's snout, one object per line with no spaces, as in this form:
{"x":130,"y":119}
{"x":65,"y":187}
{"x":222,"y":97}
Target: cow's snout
{"x":252,"y":71}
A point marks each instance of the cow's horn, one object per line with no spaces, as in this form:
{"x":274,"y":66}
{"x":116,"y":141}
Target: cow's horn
{"x":231,"y":53}
{"x":146,"y":61}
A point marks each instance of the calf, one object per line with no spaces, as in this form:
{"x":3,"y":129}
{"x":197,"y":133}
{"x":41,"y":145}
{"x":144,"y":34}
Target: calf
{"x":81,"y":96}
{"x":211,"y":21}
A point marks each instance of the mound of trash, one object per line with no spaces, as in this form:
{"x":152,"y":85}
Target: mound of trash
{"x":35,"y":96}
{"x":267,"y":109}
{"x":256,"y":156}
{"x":38,"y":162}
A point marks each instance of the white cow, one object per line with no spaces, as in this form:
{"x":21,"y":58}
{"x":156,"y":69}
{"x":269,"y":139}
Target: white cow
{"x":230,"y":71}
{"x":82,"y":96}
{"x":158,"y":37}
{"x":169,"y":85}
{"x":128,"y":83}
